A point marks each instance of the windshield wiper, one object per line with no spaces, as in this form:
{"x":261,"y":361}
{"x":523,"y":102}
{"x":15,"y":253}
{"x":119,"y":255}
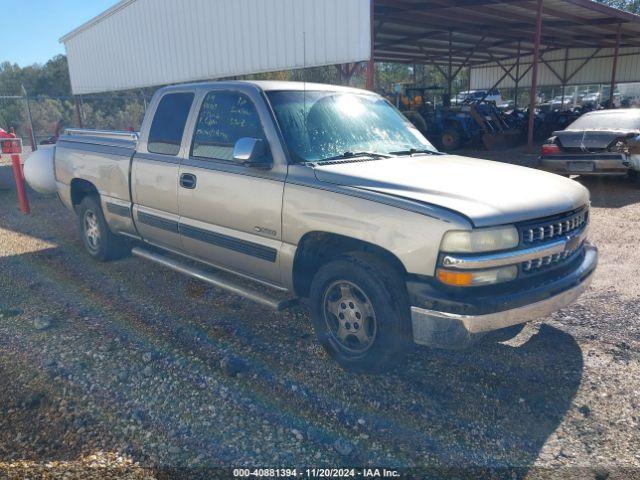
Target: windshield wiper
{"x":347,"y":155}
{"x":413,"y":151}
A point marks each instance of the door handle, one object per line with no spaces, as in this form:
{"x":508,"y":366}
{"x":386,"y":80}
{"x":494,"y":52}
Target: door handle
{"x":188,"y":181}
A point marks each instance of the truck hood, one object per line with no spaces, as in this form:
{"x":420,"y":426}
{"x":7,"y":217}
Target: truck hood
{"x":487,"y":192}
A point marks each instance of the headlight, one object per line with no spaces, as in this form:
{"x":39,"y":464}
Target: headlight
{"x":481,"y":240}
{"x":476,"y":278}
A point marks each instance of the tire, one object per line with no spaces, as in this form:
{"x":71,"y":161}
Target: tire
{"x":374,"y":333}
{"x":450,"y":140}
{"x":99,"y":242}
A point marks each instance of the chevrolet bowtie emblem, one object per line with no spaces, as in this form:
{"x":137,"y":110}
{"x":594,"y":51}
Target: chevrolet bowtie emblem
{"x":572,"y":243}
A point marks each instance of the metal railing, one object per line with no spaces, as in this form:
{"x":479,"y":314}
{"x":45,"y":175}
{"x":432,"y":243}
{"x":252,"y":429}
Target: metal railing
{"x":115,"y":134}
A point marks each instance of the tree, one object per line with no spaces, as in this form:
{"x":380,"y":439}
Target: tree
{"x":632,"y":6}
{"x":49,"y":89}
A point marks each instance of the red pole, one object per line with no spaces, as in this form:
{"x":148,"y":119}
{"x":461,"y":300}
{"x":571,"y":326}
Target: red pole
{"x":615,"y":66}
{"x":534,"y":74}
{"x":18,"y":175}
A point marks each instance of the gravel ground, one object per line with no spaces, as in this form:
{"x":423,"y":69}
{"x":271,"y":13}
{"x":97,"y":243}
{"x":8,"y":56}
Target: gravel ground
{"x":126,"y":370}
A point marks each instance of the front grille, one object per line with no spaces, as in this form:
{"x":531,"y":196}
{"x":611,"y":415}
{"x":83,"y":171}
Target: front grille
{"x":549,"y":229}
{"x":545,"y":263}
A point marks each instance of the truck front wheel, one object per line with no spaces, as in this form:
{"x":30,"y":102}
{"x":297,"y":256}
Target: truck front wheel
{"x":360,"y":313}
{"x":98,"y":240}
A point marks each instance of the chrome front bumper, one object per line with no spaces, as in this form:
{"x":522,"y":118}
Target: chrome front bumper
{"x":450,"y":330}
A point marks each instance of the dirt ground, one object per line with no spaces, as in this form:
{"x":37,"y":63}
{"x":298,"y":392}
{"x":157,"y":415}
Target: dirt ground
{"x":126,"y":370}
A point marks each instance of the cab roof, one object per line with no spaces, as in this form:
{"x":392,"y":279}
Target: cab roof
{"x":270,"y":85}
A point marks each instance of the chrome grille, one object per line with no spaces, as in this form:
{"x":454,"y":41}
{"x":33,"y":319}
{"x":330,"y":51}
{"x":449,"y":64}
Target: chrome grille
{"x":544,"y":231}
{"x":550,"y":261}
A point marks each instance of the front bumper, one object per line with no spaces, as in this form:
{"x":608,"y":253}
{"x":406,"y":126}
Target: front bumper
{"x":587,"y":164}
{"x":444,"y":329}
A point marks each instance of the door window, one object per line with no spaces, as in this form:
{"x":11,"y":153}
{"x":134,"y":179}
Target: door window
{"x":224,"y":118}
{"x":168,"y":124}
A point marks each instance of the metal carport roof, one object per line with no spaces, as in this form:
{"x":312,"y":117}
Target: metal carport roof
{"x":141,"y":43}
{"x":454,"y":34}
{"x":487,"y":31}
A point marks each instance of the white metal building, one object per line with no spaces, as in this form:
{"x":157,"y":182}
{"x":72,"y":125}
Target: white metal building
{"x":574,"y":66}
{"x":143,"y":43}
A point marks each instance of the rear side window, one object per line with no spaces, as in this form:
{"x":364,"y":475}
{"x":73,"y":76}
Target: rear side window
{"x":224,"y":118}
{"x":168,"y":124}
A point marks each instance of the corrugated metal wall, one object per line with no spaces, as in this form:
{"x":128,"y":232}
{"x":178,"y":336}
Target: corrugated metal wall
{"x":141,"y":43}
{"x":596,"y":71}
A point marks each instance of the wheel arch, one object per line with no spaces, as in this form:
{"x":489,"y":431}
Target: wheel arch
{"x":80,"y":188}
{"x":317,"y":248}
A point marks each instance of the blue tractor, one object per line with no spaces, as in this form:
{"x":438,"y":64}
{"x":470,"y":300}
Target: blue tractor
{"x":451,"y":127}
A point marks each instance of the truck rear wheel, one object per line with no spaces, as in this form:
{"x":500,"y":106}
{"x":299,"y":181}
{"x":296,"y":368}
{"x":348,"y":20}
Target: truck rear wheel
{"x":98,"y":240}
{"x":360,"y":313}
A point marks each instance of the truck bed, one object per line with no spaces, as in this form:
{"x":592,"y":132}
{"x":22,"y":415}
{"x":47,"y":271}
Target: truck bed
{"x":103,"y":159}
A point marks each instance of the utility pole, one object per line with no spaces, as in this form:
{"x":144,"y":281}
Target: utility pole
{"x":32,"y":136}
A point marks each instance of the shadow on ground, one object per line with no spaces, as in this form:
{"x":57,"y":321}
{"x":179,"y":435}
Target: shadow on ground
{"x":490,"y":407}
{"x":87,"y":383}
{"x":611,"y":192}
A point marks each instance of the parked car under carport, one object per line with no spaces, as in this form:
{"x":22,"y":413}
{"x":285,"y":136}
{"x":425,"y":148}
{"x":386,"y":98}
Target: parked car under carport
{"x":605,"y":142}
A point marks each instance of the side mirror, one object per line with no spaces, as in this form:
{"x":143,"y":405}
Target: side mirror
{"x":252,"y":152}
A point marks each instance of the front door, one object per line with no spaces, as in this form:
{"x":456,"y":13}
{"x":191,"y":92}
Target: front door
{"x":230,"y":214}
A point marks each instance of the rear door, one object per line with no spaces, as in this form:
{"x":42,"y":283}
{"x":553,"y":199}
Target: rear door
{"x":231,"y":214}
{"x":155,"y":169}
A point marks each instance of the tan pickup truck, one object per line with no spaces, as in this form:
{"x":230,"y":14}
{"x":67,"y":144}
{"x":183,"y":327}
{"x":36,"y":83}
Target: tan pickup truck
{"x":329,"y":194}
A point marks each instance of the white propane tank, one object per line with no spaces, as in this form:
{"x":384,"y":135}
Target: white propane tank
{"x":39,"y":171}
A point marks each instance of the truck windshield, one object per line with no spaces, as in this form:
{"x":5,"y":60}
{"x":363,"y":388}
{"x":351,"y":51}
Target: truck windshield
{"x":324,"y":125}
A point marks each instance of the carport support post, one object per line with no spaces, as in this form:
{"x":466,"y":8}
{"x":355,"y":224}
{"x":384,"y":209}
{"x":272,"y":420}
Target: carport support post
{"x":564,"y":76}
{"x":371,"y":75}
{"x":615,"y":65}
{"x":534,"y":74}
{"x":517,"y":83}
{"x":450,"y":71}
{"x":371,"y":66}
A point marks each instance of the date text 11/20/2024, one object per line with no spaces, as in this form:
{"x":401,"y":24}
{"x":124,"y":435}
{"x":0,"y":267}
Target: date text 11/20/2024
{"x":315,"y":473}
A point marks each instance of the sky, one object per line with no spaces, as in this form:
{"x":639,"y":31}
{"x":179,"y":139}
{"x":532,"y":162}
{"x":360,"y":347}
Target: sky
{"x":30,"y":35}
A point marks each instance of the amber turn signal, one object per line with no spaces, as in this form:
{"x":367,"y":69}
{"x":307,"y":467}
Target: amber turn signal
{"x":476,"y":278}
{"x":456,"y":279}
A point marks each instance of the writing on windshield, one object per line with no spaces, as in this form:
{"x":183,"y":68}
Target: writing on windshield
{"x":321,"y":125}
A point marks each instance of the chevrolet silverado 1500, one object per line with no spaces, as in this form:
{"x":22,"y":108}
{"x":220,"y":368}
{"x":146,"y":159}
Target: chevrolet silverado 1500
{"x":329,"y":194}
